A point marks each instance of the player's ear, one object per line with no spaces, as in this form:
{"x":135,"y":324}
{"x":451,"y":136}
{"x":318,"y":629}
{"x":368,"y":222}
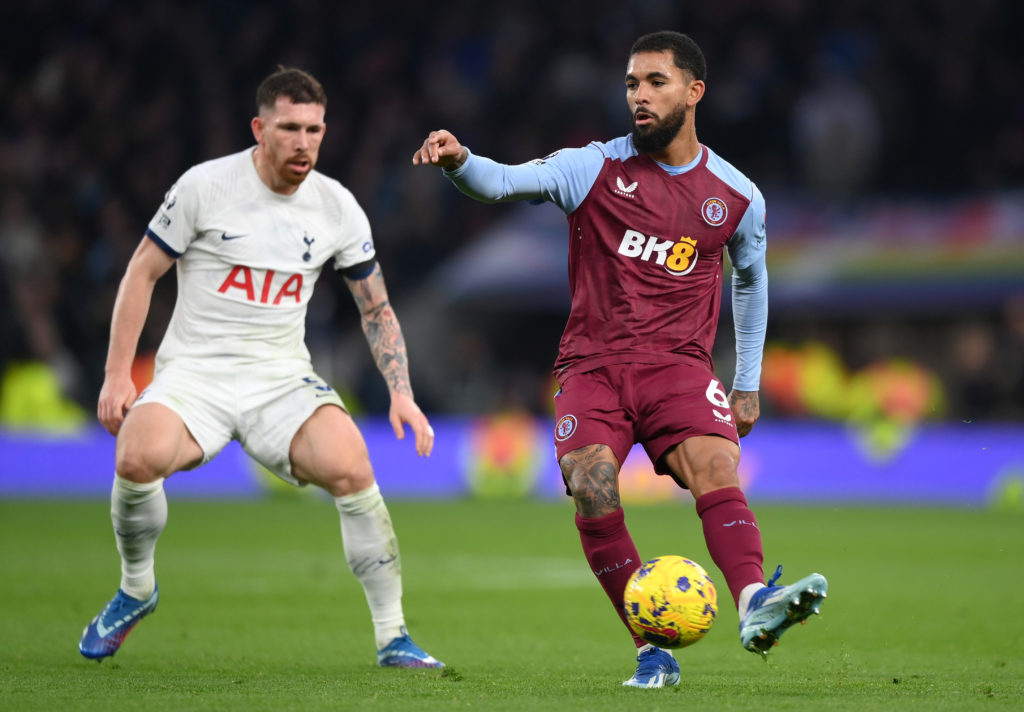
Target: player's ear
{"x":695,"y":92}
{"x":257,"y":128}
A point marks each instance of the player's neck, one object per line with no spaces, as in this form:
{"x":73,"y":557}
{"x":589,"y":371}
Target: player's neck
{"x":684,"y":148}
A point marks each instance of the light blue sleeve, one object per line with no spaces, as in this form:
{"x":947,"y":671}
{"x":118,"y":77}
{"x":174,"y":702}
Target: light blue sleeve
{"x":749,"y":294}
{"x":563,"y":178}
{"x":747,"y":244}
{"x":750,"y":320}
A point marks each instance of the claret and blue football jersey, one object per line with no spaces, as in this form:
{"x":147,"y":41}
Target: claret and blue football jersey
{"x":646,"y":250}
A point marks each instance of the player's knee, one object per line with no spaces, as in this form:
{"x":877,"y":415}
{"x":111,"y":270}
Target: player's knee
{"x":136,"y":464}
{"x":719,"y":471}
{"x":593,"y":497}
{"x":349,"y":478}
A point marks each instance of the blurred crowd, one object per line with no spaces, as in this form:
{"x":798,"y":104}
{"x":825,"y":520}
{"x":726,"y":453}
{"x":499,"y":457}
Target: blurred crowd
{"x":108,"y":102}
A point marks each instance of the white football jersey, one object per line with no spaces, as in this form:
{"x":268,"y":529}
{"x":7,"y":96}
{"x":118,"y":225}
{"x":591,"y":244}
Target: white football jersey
{"x":247,"y":258}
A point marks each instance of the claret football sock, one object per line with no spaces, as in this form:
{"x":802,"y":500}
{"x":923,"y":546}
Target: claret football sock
{"x":139,"y":514}
{"x":371,"y":550}
{"x":732,"y":537}
{"x":612,"y":555}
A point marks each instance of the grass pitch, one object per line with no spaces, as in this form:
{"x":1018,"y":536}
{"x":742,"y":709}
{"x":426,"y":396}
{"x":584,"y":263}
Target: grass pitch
{"x":258,"y":611}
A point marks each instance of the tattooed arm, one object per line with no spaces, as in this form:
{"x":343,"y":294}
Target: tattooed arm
{"x":382,"y":330}
{"x":384,"y":335}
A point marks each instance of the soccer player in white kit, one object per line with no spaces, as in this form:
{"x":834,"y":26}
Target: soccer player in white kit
{"x":250,"y":233}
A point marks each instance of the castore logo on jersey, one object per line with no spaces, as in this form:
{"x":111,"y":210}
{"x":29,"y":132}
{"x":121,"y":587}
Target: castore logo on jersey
{"x":624,"y":190}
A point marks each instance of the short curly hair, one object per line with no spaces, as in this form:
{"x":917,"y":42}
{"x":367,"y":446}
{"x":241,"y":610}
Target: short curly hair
{"x":686,"y":54}
{"x":299,"y":86}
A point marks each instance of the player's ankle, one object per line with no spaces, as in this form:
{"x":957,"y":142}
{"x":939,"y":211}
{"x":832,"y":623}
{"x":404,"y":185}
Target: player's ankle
{"x":745,"y":595}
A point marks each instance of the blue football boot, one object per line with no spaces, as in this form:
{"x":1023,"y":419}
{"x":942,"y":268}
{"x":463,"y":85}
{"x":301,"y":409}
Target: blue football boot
{"x":403,"y":653}
{"x":774,"y":609}
{"x":655,"y":668}
{"x":105,"y":633}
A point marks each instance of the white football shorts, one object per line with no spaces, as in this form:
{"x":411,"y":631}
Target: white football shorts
{"x":261,"y":406}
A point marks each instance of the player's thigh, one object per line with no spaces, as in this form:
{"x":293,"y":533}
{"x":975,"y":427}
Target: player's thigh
{"x":154,"y":443}
{"x":680,"y":403}
{"x":589,"y":411}
{"x":329,"y":451}
{"x":705,"y":463}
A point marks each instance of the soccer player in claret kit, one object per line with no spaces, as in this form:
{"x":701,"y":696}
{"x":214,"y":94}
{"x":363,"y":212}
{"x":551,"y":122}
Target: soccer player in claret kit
{"x":250,"y":233}
{"x":650,"y":216}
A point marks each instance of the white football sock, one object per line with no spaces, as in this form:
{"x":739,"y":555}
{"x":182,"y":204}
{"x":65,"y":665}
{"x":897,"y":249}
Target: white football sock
{"x":371,"y":550}
{"x":139,"y":514}
{"x":647,"y":646}
{"x":745,"y":595}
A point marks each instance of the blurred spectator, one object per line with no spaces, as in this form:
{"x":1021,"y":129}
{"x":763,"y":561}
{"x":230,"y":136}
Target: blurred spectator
{"x":975,"y":380}
{"x":836,"y":133}
{"x":1010,"y":359}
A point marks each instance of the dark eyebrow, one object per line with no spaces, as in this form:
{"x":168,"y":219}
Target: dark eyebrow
{"x":296,"y":126}
{"x":650,"y":75}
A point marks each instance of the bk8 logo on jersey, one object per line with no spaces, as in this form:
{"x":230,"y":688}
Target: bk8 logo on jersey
{"x":678,"y":258}
{"x":671,"y":602}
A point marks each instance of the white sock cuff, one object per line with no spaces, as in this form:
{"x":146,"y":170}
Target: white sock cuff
{"x":360,"y":502}
{"x":745,"y":595}
{"x":136,"y":492}
{"x":644,"y":648}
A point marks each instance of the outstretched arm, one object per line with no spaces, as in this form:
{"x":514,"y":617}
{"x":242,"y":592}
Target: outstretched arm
{"x":131,"y":307}
{"x":563,"y":177}
{"x":384,"y":335}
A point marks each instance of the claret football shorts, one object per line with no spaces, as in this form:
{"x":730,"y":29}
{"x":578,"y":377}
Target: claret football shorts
{"x":658,"y":405}
{"x":261,"y":406}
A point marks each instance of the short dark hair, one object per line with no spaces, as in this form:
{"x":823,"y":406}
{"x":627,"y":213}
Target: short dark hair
{"x":686,"y":53}
{"x":299,"y":86}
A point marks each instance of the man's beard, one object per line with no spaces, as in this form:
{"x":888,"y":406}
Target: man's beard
{"x":657,"y":137}
{"x":285,"y":172}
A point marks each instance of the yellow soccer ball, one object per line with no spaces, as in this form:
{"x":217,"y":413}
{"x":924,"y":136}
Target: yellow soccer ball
{"x":671,"y":602}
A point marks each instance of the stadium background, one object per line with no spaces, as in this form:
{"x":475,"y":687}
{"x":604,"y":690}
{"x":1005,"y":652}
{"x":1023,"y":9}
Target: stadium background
{"x":888,"y":139}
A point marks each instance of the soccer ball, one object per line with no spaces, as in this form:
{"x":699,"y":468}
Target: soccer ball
{"x":671,"y":602}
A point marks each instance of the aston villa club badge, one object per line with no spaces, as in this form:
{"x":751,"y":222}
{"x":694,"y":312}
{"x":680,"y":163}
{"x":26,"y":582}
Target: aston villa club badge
{"x":714,"y":211}
{"x":565,"y":428}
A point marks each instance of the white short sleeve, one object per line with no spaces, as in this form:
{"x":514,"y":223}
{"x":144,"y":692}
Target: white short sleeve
{"x":173,"y":227}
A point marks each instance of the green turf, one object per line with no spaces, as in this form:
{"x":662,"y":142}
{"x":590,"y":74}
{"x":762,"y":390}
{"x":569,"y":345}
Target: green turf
{"x":259,"y":612}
